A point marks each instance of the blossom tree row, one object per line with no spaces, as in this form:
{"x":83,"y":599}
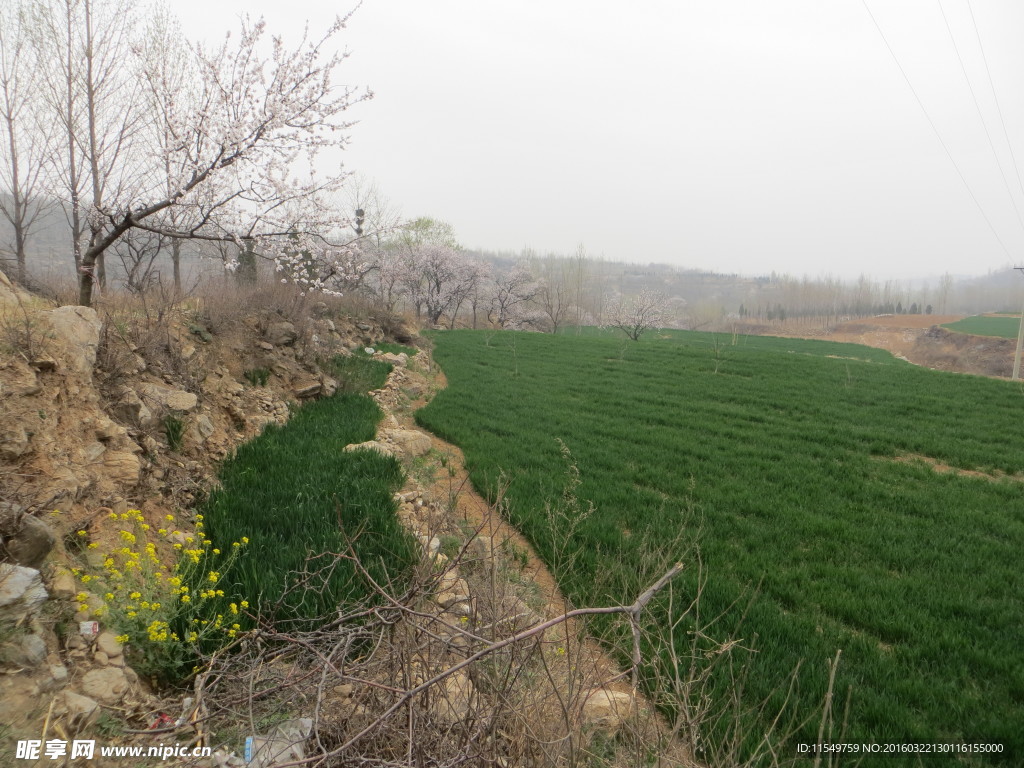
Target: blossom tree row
{"x":134,"y":129}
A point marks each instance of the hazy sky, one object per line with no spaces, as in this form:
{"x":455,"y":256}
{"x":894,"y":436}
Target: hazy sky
{"x":734,"y":135}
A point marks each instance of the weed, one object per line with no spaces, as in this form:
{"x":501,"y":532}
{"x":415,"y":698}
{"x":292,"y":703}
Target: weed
{"x":258,"y":377}
{"x":174,"y":431}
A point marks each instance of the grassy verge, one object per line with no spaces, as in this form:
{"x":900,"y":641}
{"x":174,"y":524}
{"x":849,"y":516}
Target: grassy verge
{"x":796,"y":459}
{"x":1004,"y":326}
{"x":300,"y":499}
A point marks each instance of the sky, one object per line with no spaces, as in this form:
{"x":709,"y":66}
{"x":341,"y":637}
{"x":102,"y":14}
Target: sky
{"x":735,"y":136}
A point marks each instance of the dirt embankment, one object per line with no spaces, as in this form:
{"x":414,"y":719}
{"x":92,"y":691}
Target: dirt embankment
{"x":921,"y":340}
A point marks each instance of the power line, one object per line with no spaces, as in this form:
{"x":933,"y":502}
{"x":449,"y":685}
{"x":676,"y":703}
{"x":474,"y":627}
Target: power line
{"x":938,"y":135}
{"x":995,"y":96}
{"x":984,"y":124}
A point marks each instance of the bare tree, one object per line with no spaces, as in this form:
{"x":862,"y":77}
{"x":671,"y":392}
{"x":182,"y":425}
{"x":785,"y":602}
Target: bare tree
{"x":26,"y":138}
{"x":555,"y":291}
{"x":512,"y":291}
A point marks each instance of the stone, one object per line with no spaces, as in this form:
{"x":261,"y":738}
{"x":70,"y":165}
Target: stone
{"x":450,"y":581}
{"x":168,"y":398}
{"x":91,"y":452}
{"x":266,"y":346}
{"x":130,"y":408}
{"x":14,"y":442}
{"x":303,"y":388}
{"x":81,"y":711}
{"x":64,"y":586}
{"x":77,"y":331}
{"x":101,"y":658}
{"x":122,"y":467}
{"x":369,"y":445}
{"x":399,"y":361}
{"x":107,"y":685}
{"x":281,"y":334}
{"x":458,"y":594}
{"x":328,"y":386}
{"x":411,"y":441}
{"x":205,"y":426}
{"x":31,"y":544}
{"x":21,"y":591}
{"x":607,"y":710}
{"x":431,"y":545}
{"x":480,"y":548}
{"x":452,"y":698}
{"x":108,"y":644}
{"x":27,"y":651}
{"x":283,"y":744}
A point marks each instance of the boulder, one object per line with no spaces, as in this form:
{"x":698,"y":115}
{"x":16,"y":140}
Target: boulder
{"x":21,"y":591}
{"x":76,"y":330}
{"x":107,"y":685}
{"x":130,"y":408}
{"x":607,"y":710}
{"x":107,"y":643}
{"x":27,"y":651}
{"x":411,"y":441}
{"x":399,"y":361}
{"x":81,"y":711}
{"x":31,"y":544}
{"x":167,"y":398}
{"x":303,"y":388}
{"x":452,"y":698}
{"x":369,"y":445}
{"x":281,"y":334}
{"x":13,"y":442}
{"x":122,"y":467}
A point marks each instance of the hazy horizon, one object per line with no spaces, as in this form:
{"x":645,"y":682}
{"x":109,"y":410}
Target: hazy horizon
{"x":736,"y":137}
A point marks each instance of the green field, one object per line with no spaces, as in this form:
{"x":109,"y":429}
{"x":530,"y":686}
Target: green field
{"x":781,"y":452}
{"x":1005,"y":326}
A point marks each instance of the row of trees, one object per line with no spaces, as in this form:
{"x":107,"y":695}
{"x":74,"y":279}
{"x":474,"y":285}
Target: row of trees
{"x":145,"y":140}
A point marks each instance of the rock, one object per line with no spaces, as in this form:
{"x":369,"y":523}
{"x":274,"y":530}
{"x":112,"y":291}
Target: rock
{"x":205,"y":426}
{"x":480,"y":548}
{"x":77,"y":331}
{"x":607,"y":710}
{"x":303,"y":388}
{"x":369,"y":445}
{"x":13,"y":442}
{"x":452,"y":698}
{"x":107,"y":431}
{"x":107,"y":685}
{"x":266,"y":346}
{"x":329,"y":386}
{"x":27,"y":651}
{"x":101,"y":658}
{"x":44,"y":363}
{"x":458,"y":594}
{"x":122,"y":467}
{"x":130,"y":408}
{"x":411,"y":441}
{"x":21,"y":591}
{"x":399,"y":361}
{"x":450,"y":582}
{"x":64,"y":586}
{"x":31,"y":544}
{"x":167,"y":398}
{"x":59,"y":673}
{"x":108,"y":644}
{"x":431,"y":545}
{"x":281,"y":334}
{"x":81,"y":711}
{"x":91,"y":452}
{"x":283,"y":744}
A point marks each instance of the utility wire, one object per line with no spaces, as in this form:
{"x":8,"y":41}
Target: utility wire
{"x":995,"y":96}
{"x":984,"y":124}
{"x":938,"y":135}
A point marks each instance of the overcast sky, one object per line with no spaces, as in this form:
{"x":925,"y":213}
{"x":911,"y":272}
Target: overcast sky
{"x":731,"y":135}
